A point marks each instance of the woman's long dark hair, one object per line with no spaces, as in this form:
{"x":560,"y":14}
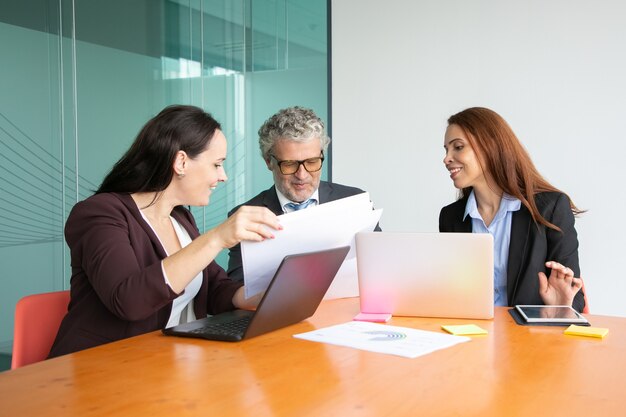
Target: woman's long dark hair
{"x":502,"y":155}
{"x":147,"y":165}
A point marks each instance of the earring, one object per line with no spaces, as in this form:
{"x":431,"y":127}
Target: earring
{"x":181,"y":175}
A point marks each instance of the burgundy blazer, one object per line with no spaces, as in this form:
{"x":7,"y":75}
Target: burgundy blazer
{"x":117,"y":287}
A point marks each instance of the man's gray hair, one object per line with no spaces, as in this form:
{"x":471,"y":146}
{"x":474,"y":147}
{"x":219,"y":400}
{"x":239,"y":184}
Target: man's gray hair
{"x":297,"y":124}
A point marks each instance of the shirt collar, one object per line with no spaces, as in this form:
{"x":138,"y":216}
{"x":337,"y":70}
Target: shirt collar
{"x":508,"y":203}
{"x":284,"y":200}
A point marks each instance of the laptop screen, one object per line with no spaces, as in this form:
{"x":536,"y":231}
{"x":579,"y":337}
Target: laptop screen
{"x":426,"y":274}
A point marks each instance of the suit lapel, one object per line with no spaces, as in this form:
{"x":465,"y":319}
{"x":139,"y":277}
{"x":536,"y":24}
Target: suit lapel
{"x":185,"y":223}
{"x":199,"y":303}
{"x":464,"y":224}
{"x":324,"y":192}
{"x":128,"y":201}
{"x":270,"y":200}
{"x":520,"y":228}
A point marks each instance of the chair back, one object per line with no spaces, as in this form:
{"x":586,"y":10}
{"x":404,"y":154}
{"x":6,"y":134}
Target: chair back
{"x":37,"y":321}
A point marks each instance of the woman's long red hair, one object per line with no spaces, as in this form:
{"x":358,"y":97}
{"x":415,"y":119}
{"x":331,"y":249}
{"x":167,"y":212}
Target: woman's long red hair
{"x":504,"y":159}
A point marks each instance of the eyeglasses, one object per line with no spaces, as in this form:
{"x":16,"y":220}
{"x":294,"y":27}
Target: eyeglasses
{"x":291,"y":167}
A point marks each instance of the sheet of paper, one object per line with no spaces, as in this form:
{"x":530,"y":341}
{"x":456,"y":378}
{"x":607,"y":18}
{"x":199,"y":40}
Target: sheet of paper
{"x":322,"y":227}
{"x":382,"y":338}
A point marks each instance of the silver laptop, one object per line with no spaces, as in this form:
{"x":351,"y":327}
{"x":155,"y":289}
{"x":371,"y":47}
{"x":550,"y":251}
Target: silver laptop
{"x":293,"y":295}
{"x":426,"y":274}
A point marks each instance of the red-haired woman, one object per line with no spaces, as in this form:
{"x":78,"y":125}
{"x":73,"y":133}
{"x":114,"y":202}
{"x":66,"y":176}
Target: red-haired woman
{"x":502,"y":193}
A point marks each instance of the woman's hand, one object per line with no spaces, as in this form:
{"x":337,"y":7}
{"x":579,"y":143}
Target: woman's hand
{"x":562,"y":286}
{"x":247,"y":223}
{"x":240,"y":301}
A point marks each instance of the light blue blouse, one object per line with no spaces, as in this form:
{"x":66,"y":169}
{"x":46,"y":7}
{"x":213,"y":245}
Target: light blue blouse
{"x":500,"y":229}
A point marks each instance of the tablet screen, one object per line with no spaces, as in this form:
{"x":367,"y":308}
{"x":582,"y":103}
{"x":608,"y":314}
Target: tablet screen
{"x":539,"y":313}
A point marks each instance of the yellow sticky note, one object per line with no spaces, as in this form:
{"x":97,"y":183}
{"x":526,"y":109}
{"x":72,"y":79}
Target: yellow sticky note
{"x":574,"y":330}
{"x":464,"y":329}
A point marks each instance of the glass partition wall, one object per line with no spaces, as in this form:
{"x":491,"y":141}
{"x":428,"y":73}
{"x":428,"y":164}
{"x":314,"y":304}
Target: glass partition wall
{"x":80,"y":77}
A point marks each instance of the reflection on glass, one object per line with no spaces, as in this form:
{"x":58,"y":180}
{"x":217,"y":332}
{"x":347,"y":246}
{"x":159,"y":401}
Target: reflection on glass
{"x":78,"y":80}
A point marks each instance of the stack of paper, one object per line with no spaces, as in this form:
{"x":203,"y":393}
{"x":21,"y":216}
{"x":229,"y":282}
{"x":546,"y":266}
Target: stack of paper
{"x":325,"y":226}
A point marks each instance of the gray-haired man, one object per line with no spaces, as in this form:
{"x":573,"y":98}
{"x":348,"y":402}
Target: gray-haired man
{"x":293,"y":144}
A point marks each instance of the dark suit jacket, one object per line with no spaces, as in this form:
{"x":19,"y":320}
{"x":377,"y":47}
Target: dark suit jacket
{"x":328,"y":191}
{"x":117,"y":286}
{"x":531,"y":245}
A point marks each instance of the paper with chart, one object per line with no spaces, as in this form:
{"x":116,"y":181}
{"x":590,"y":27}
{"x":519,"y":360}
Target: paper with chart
{"x":382,"y":338}
{"x":325,"y":226}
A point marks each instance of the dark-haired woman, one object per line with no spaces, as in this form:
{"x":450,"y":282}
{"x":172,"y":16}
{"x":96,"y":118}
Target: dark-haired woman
{"x":138,"y":261}
{"x":502,"y":193}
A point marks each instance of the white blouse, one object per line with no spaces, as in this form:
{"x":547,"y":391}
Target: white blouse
{"x":182,"y":307}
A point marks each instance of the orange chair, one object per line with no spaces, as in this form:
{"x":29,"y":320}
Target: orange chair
{"x":37,"y":321}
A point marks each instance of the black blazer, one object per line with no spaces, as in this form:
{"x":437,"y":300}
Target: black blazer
{"x":328,"y":191}
{"x":531,"y":245}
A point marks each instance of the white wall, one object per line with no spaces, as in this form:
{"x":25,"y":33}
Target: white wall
{"x":555,"y":70}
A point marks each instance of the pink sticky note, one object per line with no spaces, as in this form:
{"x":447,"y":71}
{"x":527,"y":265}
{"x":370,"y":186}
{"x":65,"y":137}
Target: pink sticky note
{"x":375,"y":317}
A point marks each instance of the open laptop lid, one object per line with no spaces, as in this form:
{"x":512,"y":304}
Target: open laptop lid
{"x":294,"y":294}
{"x":297,"y":289}
{"x":426,"y":274}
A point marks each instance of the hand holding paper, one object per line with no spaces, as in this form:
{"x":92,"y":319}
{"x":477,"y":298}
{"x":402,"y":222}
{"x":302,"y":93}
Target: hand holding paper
{"x":325,"y":226}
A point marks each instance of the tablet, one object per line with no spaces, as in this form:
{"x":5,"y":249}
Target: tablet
{"x":550,"y":314}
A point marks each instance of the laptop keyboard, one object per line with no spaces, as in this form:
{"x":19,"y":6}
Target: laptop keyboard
{"x":234,"y":328}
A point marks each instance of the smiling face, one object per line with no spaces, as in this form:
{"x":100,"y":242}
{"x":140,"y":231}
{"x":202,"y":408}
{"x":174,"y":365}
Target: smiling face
{"x":202,"y":173}
{"x":299,"y":186}
{"x":461,"y":160}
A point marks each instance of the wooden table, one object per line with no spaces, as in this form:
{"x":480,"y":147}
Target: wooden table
{"x":513,"y":371}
